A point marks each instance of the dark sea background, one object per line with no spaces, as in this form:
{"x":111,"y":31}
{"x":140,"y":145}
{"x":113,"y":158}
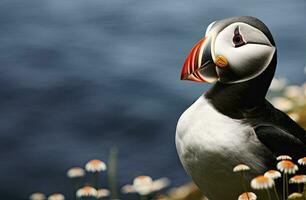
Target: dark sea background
{"x":80,"y":76}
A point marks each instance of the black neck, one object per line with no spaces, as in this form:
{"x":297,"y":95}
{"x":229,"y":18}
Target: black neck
{"x":233,"y":99}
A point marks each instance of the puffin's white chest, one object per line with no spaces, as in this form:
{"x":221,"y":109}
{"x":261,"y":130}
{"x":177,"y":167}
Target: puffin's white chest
{"x":210,"y":144}
{"x":202,"y":126}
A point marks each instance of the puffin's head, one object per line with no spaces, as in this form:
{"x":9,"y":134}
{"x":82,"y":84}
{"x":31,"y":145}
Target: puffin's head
{"x":233,"y":50}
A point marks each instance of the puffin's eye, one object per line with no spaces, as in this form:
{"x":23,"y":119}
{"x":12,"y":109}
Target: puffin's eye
{"x":238,"y":39}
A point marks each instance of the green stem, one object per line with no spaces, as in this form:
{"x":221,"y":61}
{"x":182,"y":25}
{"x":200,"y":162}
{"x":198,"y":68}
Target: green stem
{"x":275,"y":192}
{"x":112,"y":172}
{"x":287,"y":191}
{"x":74,"y":189}
{"x":143,"y":197}
{"x":243,"y":183}
{"x":284,"y":187}
{"x":96,"y":180}
{"x":299,"y":188}
{"x":269,"y":195}
{"x":304,"y":191}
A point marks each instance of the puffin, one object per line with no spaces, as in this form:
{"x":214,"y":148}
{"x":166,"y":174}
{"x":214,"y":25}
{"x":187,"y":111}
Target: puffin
{"x":233,"y":122}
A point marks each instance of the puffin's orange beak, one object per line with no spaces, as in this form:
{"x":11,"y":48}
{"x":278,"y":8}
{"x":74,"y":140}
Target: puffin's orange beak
{"x":199,"y":65}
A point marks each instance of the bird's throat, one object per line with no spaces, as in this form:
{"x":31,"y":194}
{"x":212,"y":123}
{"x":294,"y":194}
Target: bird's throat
{"x":235,"y":99}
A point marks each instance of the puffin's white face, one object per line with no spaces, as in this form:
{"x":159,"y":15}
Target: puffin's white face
{"x":247,"y":50}
{"x":237,"y":53}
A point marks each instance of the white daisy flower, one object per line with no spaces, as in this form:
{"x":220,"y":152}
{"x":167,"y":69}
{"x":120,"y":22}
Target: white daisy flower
{"x":127,"y":189}
{"x":273,"y":174}
{"x":241,"y":167}
{"x":143,"y":185}
{"x":283,"y":157}
{"x":287,"y":167}
{"x":247,"y":196}
{"x":302,"y":161}
{"x":86,"y":191}
{"x":262,"y":182}
{"x":95,"y":166}
{"x":282,"y":103}
{"x":76,"y":172}
{"x":293,"y":91}
{"x":304,"y":89}
{"x":278,"y":84}
{"x":56,"y":196}
{"x":160,"y":184}
{"x":298,"y":179}
{"x":180,"y":192}
{"x":101,"y":193}
{"x":37,"y":196}
{"x":295,"y":196}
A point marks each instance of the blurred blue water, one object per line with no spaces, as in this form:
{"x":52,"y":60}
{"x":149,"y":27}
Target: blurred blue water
{"x":80,"y":76}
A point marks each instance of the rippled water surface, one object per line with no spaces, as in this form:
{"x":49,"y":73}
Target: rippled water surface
{"x":80,"y":76}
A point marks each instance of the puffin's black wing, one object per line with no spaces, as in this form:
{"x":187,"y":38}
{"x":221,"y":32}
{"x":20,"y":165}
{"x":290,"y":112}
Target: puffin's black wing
{"x":281,"y":134}
{"x":280,"y":142}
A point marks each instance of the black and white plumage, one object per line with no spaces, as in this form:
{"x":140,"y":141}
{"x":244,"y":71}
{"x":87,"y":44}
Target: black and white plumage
{"x":233,"y":123}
